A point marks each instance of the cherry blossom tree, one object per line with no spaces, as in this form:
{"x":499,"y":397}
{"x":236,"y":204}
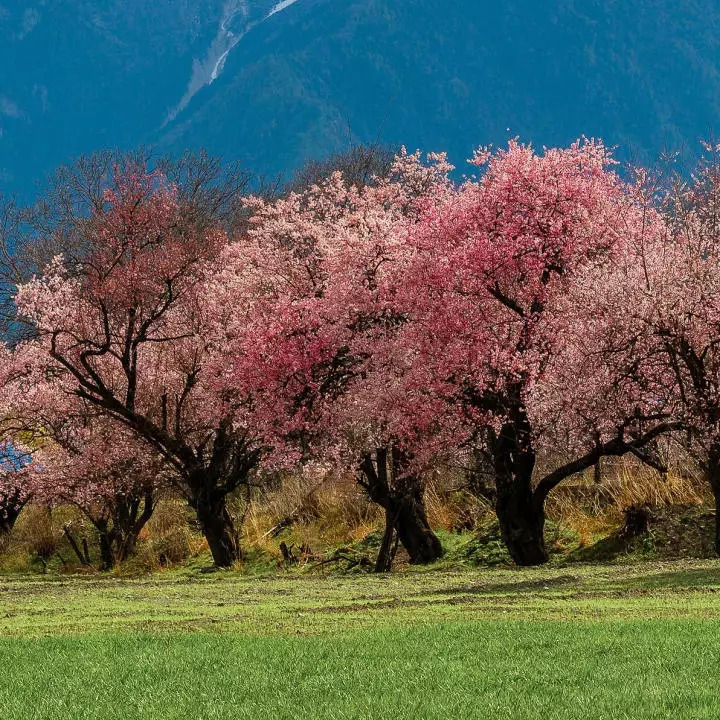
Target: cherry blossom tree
{"x":668,"y":338}
{"x":380,"y":328}
{"x":74,"y":454}
{"x":77,"y":456}
{"x":496,"y":336}
{"x":113,"y":480}
{"x":122,"y":327}
{"x":316,"y":350}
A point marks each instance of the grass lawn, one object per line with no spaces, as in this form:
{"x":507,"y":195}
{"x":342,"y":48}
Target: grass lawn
{"x":579,"y":642}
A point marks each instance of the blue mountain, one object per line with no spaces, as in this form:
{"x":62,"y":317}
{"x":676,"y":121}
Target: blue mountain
{"x":275,"y":83}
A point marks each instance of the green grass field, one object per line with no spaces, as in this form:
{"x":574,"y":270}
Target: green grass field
{"x":634,"y":641}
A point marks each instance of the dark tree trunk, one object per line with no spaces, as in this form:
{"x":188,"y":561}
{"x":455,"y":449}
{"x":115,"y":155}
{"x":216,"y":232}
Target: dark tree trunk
{"x":130,"y":517}
{"x":9,"y":513}
{"x":712,"y":475}
{"x":107,"y":557}
{"x":83,"y":559}
{"x":716,"y":495}
{"x":385,"y":554}
{"x":522,"y":524}
{"x":209,"y":483}
{"x":415,"y":533}
{"x":118,"y":535}
{"x":597,"y":468}
{"x":404,"y":504}
{"x":218,"y":529}
{"x":519,"y":511}
{"x":7,"y":522}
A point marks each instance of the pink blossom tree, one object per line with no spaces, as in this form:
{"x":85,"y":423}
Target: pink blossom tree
{"x":124,"y":329}
{"x":113,"y":481}
{"x":317,"y":351}
{"x":668,"y":337}
{"x":75,"y":455}
{"x":496,"y":334}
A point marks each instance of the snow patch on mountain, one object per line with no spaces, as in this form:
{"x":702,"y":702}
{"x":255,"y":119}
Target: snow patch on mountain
{"x":206,"y":70}
{"x":280,"y":7}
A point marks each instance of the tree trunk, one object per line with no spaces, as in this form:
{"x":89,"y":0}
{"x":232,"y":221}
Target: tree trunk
{"x":209,"y":483}
{"x":118,"y":532}
{"x":522,"y":524}
{"x":8,"y":517}
{"x":76,"y":548}
{"x":712,"y":475}
{"x":385,"y":554}
{"x":415,"y":533}
{"x":520,"y":513}
{"x":129,"y":520}
{"x":218,"y":529}
{"x":107,"y":557}
{"x":404,"y":504}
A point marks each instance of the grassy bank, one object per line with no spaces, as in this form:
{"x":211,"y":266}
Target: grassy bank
{"x":312,"y":604}
{"x":633,"y":641}
{"x":488,"y":669}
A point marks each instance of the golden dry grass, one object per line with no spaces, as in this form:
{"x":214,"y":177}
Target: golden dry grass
{"x":322,"y":515}
{"x":594,"y":510}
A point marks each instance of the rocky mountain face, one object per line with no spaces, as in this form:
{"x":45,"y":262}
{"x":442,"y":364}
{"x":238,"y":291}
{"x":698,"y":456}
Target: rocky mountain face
{"x":275,"y":83}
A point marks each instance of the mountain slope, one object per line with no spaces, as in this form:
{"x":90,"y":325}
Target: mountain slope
{"x":77,"y":75}
{"x":276,"y":83}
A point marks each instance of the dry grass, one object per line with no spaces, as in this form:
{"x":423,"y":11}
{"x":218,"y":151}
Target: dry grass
{"x":38,"y":538}
{"x":453,"y":508}
{"x":594,"y":510}
{"x":335,"y":512}
{"x":643,"y":487}
{"x":318,"y":516}
{"x":169,"y":537}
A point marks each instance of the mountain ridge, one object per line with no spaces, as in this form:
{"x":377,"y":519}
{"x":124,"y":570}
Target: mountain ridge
{"x":315,"y":75}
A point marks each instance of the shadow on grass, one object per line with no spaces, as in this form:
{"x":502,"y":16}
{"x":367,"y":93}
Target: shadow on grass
{"x":695,"y":578}
{"x":502,"y":588}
